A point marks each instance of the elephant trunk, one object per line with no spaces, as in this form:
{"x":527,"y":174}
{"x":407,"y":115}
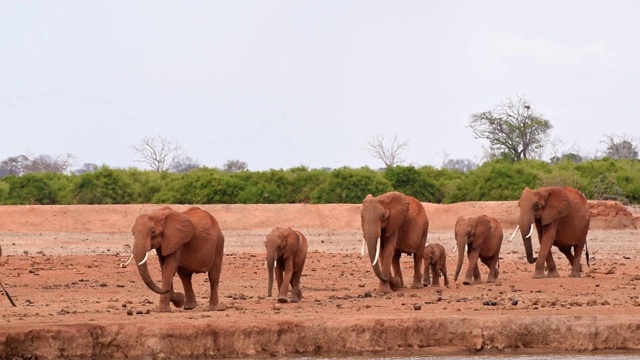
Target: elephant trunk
{"x":461,"y":247}
{"x":374,"y":248}
{"x":270,"y":268}
{"x":139,"y":253}
{"x":526,"y":230}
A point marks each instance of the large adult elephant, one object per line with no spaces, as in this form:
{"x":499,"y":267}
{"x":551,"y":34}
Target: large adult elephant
{"x":186,"y":242}
{"x":561,"y":217}
{"x":482,"y":237}
{"x":393,"y":224}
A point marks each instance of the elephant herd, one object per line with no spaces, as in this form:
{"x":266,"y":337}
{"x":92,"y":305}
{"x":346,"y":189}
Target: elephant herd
{"x":392,"y":224}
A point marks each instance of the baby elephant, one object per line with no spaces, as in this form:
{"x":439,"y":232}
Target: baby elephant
{"x":287,"y":251}
{"x":435,"y":259}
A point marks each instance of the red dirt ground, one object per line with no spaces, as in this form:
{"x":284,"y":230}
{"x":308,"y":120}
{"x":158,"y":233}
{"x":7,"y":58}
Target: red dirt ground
{"x":61,"y":266}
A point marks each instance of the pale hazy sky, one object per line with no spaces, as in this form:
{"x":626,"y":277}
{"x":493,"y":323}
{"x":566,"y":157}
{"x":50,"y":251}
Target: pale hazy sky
{"x":285,"y":83}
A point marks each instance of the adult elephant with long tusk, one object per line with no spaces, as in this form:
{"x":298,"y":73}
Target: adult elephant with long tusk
{"x":393,"y":224}
{"x":186,"y":242}
{"x":561,"y":217}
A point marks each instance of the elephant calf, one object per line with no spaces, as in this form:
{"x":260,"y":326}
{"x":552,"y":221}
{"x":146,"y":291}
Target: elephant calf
{"x":435,"y":259}
{"x":287,"y":252}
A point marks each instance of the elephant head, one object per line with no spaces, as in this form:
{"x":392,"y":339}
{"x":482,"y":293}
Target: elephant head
{"x":165,"y":231}
{"x":381,"y":216}
{"x":470,"y":232}
{"x":280,"y":243}
{"x":541,"y":207}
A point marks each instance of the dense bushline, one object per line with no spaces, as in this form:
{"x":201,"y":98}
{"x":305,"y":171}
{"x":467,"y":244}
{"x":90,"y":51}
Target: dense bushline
{"x":494,"y":180}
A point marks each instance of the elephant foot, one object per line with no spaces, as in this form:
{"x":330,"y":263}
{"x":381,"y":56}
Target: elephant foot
{"x":417,"y":285}
{"x":163,"y":308}
{"x":297,"y":294}
{"x":283,"y":300}
{"x":189,"y":305}
{"x":538,"y":274}
{"x":395,"y":283}
{"x":384,"y":288}
{"x":574,"y":274}
{"x":177,"y":299}
{"x":213,"y":307}
{"x":553,"y":273}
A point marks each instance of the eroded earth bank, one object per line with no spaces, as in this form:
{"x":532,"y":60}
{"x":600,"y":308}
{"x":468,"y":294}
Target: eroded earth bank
{"x":74,"y":301}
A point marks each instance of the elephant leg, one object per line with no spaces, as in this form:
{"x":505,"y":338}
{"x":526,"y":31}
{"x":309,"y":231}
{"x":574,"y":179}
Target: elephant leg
{"x":552,"y":268}
{"x":386,"y":255}
{"x":443,"y":269}
{"x":417,"y":274}
{"x":169,"y":266}
{"x":477,"y":279}
{"x":575,"y":264}
{"x":286,"y":280}
{"x":296,"y":293}
{"x":279,"y":277}
{"x":472,"y":268}
{"x":425,"y":278}
{"x":544,"y":253}
{"x":397,"y":272}
{"x":436,"y":274}
{"x":493,"y":269}
{"x":185,"y":277}
{"x":214,"y":281}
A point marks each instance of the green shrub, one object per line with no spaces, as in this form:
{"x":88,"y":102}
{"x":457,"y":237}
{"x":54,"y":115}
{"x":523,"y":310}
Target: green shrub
{"x":350,"y":186}
{"x":413,"y":182}
{"x":31,"y":189}
{"x":103,"y":186}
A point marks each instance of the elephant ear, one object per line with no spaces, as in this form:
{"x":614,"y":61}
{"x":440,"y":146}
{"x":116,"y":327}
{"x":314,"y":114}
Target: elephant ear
{"x":482,"y":230}
{"x":398,"y":206}
{"x":556,"y":205}
{"x":178,"y":229}
{"x":293,"y":241}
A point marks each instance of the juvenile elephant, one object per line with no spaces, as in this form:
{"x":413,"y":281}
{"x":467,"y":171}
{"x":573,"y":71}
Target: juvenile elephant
{"x":186,"y":242}
{"x":561,"y":216}
{"x":435,"y":259}
{"x":287,"y":251}
{"x":393,"y":224}
{"x":482,"y":236}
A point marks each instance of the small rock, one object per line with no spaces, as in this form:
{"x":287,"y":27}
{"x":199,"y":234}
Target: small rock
{"x":124,"y":306}
{"x":417,"y":307}
{"x":277,"y":307}
{"x":129,"y":312}
{"x":148,"y":311}
{"x":139,"y":312}
{"x":605,"y":303}
{"x":514,"y":302}
{"x":592,"y":302}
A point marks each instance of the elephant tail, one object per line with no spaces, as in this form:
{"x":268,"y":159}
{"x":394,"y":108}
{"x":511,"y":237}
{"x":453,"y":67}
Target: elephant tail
{"x":586,"y":253}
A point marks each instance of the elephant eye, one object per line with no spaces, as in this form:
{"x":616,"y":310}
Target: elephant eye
{"x":536,"y":206}
{"x":383,"y":216}
{"x":153,"y":231}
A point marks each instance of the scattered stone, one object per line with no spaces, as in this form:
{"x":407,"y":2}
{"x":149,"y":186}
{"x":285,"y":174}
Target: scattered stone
{"x":130,"y":312}
{"x":361,"y":285}
{"x":605,"y":303}
{"x":124,"y":306}
{"x":148,"y":311}
{"x":221,"y":307}
{"x":139,"y":312}
{"x":277,"y":307}
{"x":592,"y":302}
{"x":417,"y":307}
{"x":514,"y":302}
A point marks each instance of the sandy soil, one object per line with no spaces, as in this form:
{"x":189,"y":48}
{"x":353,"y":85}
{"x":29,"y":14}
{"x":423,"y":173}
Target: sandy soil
{"x":61,"y":266}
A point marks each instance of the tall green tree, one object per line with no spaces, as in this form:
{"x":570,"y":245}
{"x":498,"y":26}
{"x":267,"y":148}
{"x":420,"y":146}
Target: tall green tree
{"x":513,"y":129}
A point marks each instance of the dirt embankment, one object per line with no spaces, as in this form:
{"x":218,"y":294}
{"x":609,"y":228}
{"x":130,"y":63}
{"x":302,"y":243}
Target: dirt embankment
{"x":61,"y":266}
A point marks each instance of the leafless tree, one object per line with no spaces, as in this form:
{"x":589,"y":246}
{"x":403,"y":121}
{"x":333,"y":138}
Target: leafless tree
{"x":86,"y":168}
{"x":235,"y":166}
{"x":185,"y":164}
{"x":159,"y":153}
{"x":389,"y":152}
{"x":47,"y":163}
{"x":621,"y":146}
{"x":14,"y":165}
{"x":463,"y":165}
{"x":513,"y":128}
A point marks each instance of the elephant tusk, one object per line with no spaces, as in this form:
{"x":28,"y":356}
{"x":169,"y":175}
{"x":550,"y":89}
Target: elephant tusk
{"x":530,"y":231}
{"x":362,"y":250}
{"x":128,"y":262}
{"x":514,"y":233}
{"x":265,"y":263}
{"x":375,"y":260}
{"x":455,"y":248}
{"x":146,"y":256}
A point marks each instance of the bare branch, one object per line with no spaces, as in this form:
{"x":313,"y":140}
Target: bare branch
{"x":159,"y":153}
{"x":390,"y":153}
